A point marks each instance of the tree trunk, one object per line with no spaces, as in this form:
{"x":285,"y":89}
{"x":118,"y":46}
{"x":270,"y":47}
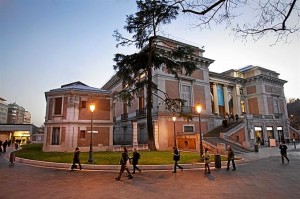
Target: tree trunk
{"x":151,"y":140}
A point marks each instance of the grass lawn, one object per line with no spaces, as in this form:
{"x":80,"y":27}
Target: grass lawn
{"x":34,"y":152}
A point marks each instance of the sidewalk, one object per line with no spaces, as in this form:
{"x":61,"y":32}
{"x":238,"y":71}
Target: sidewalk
{"x":264,"y":152}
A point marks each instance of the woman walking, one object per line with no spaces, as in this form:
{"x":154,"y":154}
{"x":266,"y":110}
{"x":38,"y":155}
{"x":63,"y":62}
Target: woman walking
{"x":124,"y":167}
{"x":207,"y":161}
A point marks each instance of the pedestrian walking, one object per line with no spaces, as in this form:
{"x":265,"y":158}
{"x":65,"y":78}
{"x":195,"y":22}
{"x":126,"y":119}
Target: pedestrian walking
{"x":230,"y":157}
{"x":76,"y":159}
{"x":1,"y":146}
{"x":207,"y":161}
{"x":16,"y":145}
{"x":5,"y":143}
{"x":135,"y":160}
{"x":294,"y":142}
{"x":12,"y":158}
{"x":123,"y":163}
{"x":176,"y":158}
{"x":283,"y":152}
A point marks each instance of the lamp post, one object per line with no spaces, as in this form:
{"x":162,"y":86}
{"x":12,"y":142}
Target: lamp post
{"x":198,"y":108}
{"x":174,"y":120}
{"x":91,"y":159}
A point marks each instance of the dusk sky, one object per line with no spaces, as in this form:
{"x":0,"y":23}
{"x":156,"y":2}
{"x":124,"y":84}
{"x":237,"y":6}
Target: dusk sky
{"x":48,"y":43}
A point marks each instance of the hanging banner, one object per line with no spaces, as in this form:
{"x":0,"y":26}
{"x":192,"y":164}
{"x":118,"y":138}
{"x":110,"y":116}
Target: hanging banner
{"x":220,"y":95}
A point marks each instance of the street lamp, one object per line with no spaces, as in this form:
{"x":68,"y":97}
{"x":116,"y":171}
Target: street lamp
{"x":91,"y":159}
{"x":198,"y":108}
{"x":174,"y":120}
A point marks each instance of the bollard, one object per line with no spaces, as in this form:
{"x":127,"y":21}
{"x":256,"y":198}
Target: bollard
{"x":218,"y":161}
{"x":256,"y":148}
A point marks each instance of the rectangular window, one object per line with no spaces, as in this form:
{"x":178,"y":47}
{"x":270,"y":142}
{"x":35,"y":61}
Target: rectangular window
{"x":82,"y":134}
{"x":83,"y":104}
{"x":186,"y":94}
{"x":57,"y":106}
{"x":124,"y":108}
{"x":55,"y":135}
{"x":188,"y":129}
{"x":276,"y":106}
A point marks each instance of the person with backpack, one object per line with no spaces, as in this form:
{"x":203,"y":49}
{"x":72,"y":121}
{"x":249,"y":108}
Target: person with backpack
{"x":176,"y":158}
{"x":283,"y":152}
{"x":230,"y":158}
{"x":135,"y":160}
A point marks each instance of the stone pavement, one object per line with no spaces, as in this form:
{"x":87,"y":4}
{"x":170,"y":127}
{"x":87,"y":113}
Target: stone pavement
{"x":261,"y":175}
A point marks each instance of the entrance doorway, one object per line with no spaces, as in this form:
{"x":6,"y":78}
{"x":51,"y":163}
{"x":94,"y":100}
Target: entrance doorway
{"x":259,"y":135}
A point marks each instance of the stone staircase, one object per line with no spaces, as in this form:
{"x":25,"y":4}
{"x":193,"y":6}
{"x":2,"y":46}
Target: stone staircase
{"x":213,"y":137}
{"x":238,"y":149}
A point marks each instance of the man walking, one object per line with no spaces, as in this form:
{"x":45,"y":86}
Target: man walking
{"x":135,"y":160}
{"x":76,"y":159}
{"x":176,"y":158}
{"x":230,"y":157}
{"x":283,"y":152}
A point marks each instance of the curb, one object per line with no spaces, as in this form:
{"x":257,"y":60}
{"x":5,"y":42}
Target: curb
{"x":117,"y":167}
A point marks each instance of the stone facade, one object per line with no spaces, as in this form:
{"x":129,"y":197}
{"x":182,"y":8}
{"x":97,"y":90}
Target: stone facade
{"x":253,"y":93}
{"x":68,"y":120}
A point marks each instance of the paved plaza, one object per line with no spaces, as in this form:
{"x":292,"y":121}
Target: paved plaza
{"x":261,"y":175}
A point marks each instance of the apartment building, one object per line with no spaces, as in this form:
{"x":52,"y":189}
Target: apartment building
{"x":3,"y":111}
{"x":15,"y":114}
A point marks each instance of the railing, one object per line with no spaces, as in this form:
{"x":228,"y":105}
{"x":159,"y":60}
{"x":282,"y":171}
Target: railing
{"x":141,"y":112}
{"x":124,"y":116}
{"x":278,"y":115}
{"x":187,"y":109}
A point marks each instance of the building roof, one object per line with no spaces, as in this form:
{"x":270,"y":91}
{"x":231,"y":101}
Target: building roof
{"x":79,"y":86}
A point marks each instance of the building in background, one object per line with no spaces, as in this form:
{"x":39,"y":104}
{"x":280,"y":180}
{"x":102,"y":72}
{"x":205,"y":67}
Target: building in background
{"x":15,"y":114}
{"x":3,"y":111}
{"x":27,"y":117}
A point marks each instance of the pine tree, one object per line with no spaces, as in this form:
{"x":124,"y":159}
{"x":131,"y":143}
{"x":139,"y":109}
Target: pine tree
{"x":135,"y":70}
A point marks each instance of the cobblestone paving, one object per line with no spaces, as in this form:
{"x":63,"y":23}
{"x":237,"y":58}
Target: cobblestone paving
{"x":261,"y":178}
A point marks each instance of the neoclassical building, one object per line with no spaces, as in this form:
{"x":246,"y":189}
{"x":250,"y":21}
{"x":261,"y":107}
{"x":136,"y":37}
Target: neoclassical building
{"x":254,"y":94}
{"x":68,"y":120}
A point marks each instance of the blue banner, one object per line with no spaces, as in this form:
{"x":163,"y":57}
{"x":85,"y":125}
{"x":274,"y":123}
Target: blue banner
{"x":220,"y":95}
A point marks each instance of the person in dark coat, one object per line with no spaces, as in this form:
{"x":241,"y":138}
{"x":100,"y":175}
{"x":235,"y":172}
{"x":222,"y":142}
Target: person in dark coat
{"x":283,"y":152}
{"x":135,"y":160}
{"x":230,"y":157}
{"x":123,"y":164}
{"x":1,"y":146}
{"x":76,"y":159}
{"x":176,"y":158}
{"x":4,"y":146}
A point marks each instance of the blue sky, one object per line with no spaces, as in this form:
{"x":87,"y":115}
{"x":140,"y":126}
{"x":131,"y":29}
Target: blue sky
{"x":47,"y":43}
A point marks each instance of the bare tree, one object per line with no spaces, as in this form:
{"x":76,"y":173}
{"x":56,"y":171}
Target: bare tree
{"x":255,"y":18}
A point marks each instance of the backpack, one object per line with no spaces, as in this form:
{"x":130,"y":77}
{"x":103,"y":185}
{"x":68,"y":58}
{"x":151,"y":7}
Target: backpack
{"x":138,"y":155}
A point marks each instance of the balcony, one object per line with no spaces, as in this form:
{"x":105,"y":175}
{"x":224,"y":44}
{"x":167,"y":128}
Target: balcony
{"x":141,"y":112}
{"x":278,"y":115}
{"x":188,"y":109}
{"x":124,"y":116}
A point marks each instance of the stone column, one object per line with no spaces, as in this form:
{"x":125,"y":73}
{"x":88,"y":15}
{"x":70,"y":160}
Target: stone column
{"x":215,"y":95}
{"x":234,"y":102}
{"x":134,"y":134}
{"x":156,"y":134}
{"x":225,"y":91}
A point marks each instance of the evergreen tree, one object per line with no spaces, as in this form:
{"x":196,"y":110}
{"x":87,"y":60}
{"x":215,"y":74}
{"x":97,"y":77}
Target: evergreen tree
{"x":135,"y":70}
